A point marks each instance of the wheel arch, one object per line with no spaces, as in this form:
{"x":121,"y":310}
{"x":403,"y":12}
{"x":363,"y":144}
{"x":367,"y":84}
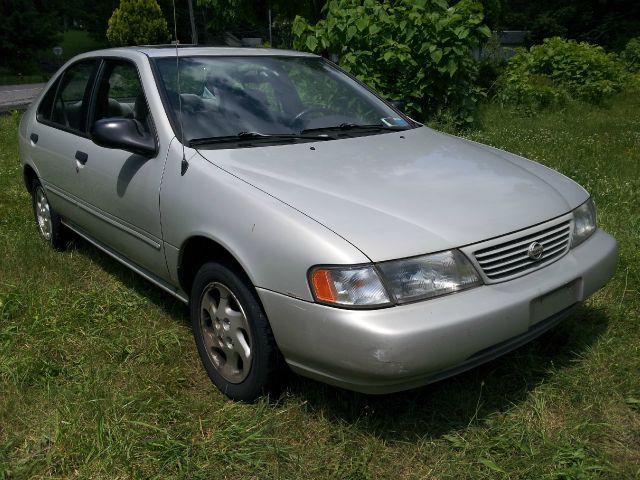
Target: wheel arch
{"x":198,"y":250}
{"x":29,"y":175}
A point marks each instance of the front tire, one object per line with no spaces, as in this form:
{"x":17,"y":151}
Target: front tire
{"x":233,"y":335}
{"x":47,"y":220}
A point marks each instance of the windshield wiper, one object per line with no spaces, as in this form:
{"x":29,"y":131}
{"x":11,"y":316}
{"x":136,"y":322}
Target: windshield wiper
{"x":241,"y":136}
{"x":354,"y":126}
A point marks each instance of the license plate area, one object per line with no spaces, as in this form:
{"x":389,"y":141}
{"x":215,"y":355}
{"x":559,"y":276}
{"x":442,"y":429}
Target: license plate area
{"x":555,"y":301}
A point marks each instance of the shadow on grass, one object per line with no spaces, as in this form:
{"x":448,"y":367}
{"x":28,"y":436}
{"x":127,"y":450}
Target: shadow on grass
{"x":430,"y":411}
{"x":170,"y":304}
{"x":442,"y":407}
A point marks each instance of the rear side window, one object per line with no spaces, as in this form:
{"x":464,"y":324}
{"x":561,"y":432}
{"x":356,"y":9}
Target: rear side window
{"x":46,"y":104}
{"x":71,"y":102}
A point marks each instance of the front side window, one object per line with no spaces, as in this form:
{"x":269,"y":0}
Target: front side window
{"x":120,"y":94}
{"x":261,"y":95}
{"x":71,"y":103}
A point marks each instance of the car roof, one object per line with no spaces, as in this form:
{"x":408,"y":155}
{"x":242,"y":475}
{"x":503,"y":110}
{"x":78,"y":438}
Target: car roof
{"x":190,"y":50}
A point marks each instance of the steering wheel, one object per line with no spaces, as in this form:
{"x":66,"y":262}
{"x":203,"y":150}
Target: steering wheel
{"x":308,"y":111}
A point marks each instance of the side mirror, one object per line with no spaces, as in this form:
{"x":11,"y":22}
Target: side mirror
{"x":397,"y":104}
{"x":123,"y":134}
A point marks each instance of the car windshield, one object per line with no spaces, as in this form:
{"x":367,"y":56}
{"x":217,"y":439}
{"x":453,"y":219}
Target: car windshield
{"x":264,"y":97}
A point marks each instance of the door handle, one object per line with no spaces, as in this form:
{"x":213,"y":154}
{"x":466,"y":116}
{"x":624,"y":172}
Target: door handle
{"x":34,"y":137}
{"x":81,"y":157}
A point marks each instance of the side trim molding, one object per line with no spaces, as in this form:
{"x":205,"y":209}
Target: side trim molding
{"x":140,"y":236}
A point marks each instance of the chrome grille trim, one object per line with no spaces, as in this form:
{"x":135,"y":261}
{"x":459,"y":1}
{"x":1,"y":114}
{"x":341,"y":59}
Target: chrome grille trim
{"x":506,"y":257}
{"x":523,"y":241}
{"x":522,"y":254}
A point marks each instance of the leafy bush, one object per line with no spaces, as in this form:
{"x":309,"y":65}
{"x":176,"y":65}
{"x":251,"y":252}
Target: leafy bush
{"x":137,"y":22}
{"x":417,"y":51}
{"x":631,"y":55}
{"x":491,"y":65}
{"x":559,"y":70}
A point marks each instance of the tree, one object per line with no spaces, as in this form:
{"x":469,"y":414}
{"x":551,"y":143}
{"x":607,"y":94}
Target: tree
{"x":137,"y":22}
{"x":247,"y":15}
{"x":610,"y":23}
{"x":94,"y":16}
{"x":26,"y":27}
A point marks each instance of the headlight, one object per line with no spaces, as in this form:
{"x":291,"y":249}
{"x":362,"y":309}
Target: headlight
{"x":428,"y":276}
{"x":407,"y":280}
{"x":584,"y":222}
{"x":357,"y":286}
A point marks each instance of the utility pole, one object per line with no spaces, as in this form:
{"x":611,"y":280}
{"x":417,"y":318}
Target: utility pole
{"x":270,"y":37}
{"x":194,"y":32}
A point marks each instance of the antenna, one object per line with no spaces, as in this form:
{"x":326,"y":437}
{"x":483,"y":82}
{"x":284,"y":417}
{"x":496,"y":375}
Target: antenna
{"x":184,"y":165}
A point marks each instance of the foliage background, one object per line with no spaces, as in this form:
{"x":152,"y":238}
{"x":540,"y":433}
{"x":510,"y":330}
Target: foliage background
{"x":26,"y":27}
{"x":418,"y":51}
{"x":631,"y":55}
{"x":609,"y":23}
{"x":137,"y":22}
{"x":559,"y":70}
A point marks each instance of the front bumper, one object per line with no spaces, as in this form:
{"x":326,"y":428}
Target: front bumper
{"x":397,"y":348}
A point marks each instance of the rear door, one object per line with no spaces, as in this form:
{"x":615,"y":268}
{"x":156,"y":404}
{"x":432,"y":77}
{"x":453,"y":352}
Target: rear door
{"x":60,"y":132}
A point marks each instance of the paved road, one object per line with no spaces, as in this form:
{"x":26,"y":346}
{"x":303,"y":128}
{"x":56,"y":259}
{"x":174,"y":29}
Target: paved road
{"x":18,"y":96}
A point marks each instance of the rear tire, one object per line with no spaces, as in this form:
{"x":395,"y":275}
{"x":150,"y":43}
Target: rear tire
{"x":232,"y":334}
{"x":47,"y":220}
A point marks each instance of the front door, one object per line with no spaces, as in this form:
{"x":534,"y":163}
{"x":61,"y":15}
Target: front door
{"x":119,"y":191}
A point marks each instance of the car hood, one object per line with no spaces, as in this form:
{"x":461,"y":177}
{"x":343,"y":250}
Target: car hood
{"x":406,"y":193}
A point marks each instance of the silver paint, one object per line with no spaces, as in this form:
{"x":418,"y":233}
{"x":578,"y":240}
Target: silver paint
{"x":280,"y":210}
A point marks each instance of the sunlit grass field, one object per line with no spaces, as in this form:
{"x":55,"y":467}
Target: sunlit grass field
{"x":99,"y":375}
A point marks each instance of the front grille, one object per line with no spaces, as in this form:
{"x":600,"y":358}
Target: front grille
{"x":509,"y":259}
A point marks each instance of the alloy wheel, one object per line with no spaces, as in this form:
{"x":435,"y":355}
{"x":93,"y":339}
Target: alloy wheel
{"x":225,"y":332}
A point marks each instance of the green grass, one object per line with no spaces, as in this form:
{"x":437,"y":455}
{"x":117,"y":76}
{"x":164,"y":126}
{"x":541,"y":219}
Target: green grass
{"x":99,"y":376}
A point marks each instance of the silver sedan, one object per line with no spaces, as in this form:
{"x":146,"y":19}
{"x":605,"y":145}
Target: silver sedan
{"x":304,"y":220}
